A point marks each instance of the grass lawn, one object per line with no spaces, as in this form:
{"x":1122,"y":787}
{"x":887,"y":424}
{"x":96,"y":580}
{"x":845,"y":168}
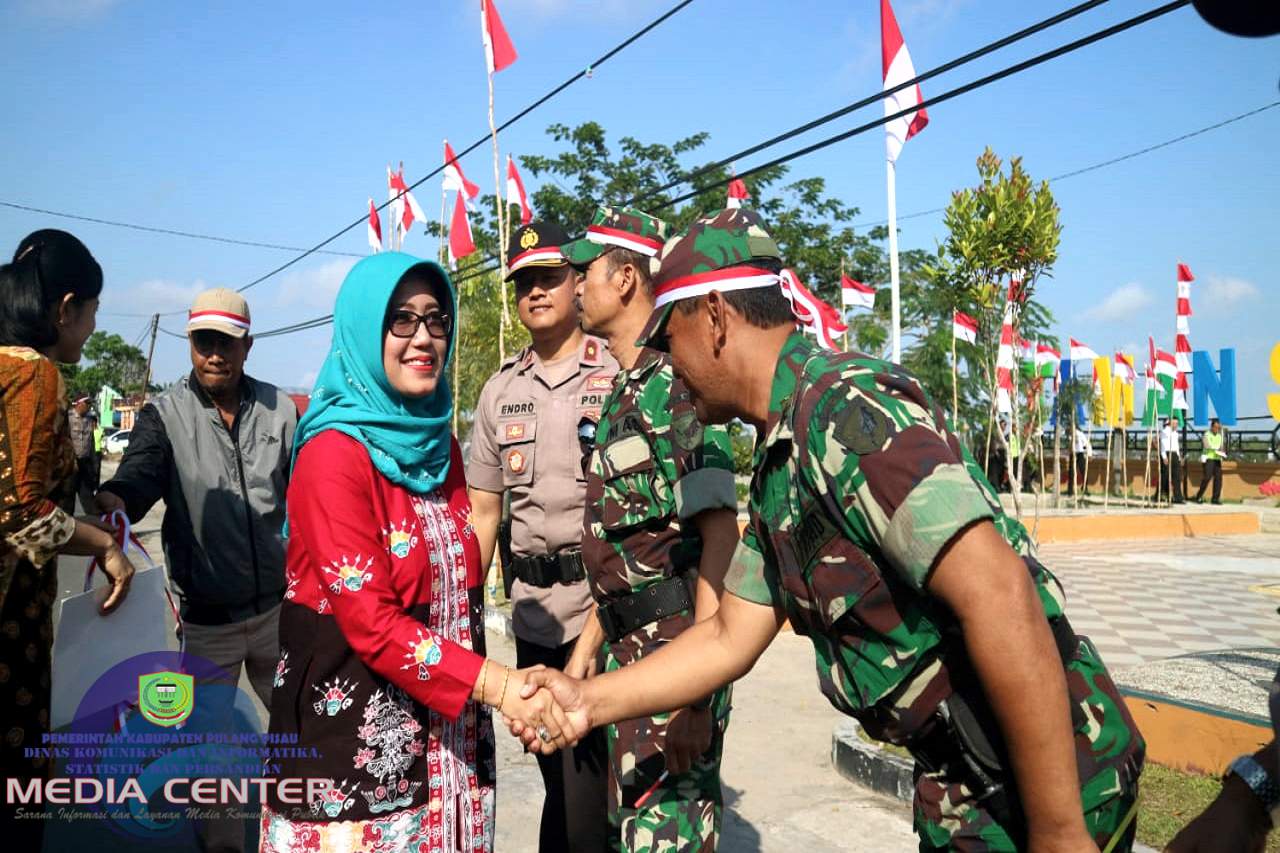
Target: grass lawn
{"x":1170,"y":799}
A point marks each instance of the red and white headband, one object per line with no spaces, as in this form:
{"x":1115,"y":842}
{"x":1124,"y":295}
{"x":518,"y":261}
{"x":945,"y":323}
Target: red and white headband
{"x":606,"y":236}
{"x":702,"y":283}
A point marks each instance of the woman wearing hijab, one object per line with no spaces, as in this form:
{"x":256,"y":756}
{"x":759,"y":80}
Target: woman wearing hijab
{"x":382,"y":668}
{"x":48,"y":306}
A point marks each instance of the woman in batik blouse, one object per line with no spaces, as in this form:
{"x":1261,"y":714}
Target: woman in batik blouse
{"x":48,"y":303}
{"x":382,"y":669}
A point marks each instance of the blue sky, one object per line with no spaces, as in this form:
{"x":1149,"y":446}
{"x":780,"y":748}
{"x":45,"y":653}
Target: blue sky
{"x":274,"y":122}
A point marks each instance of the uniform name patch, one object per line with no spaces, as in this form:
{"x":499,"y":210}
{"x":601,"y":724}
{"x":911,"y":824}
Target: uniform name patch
{"x":509,"y":409}
{"x":812,"y":534}
{"x":588,"y":400}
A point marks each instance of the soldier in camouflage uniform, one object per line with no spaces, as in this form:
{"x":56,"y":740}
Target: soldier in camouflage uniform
{"x":660,"y":526}
{"x":874,"y":532}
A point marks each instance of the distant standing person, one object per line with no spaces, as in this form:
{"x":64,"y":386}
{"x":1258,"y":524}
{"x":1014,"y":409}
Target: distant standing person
{"x":1081,"y":450}
{"x":525,"y":443}
{"x":1211,"y":458}
{"x":1171,"y":462}
{"x":48,"y":306}
{"x":83,"y":423}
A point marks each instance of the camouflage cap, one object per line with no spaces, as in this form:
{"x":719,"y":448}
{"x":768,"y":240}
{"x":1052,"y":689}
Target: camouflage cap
{"x":714,"y":253}
{"x":617,"y":226}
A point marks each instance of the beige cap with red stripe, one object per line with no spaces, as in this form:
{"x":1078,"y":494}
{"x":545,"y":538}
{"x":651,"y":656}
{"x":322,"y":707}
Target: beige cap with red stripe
{"x":220,"y":310}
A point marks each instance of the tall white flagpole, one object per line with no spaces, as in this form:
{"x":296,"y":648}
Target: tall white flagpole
{"x":896,"y":311}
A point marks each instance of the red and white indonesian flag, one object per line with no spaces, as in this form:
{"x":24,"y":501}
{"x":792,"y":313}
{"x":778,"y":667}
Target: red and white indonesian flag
{"x":855,"y":294}
{"x":737,"y":194}
{"x":964,"y":327}
{"x":1047,"y":357}
{"x":499,"y":52}
{"x":375,"y":228}
{"x":1166,"y":364}
{"x":898,"y":70}
{"x":1004,"y":362}
{"x":460,"y":242}
{"x":515,"y":192}
{"x":404,"y":207}
{"x":824,"y":322}
{"x":1182,"y":339}
{"x":1081,"y":352}
{"x":453,"y":177}
{"x":1124,"y":369}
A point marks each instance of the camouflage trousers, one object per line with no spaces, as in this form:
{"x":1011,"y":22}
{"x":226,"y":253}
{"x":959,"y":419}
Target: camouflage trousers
{"x":1109,"y":754}
{"x":682,"y":814}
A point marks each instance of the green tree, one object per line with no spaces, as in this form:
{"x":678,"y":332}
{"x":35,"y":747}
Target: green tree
{"x":107,"y":360}
{"x":1006,"y":228}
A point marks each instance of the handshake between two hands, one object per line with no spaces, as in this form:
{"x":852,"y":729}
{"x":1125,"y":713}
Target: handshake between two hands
{"x":548,"y":710}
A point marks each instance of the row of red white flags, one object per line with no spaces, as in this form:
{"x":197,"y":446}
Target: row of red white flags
{"x":1176,"y":365}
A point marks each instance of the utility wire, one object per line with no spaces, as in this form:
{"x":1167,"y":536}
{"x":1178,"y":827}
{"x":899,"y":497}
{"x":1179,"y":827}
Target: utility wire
{"x":170,"y":231}
{"x":1064,"y":176}
{"x":482,"y":140}
{"x":991,"y":47}
{"x":980,"y":52}
{"x":968,"y":87}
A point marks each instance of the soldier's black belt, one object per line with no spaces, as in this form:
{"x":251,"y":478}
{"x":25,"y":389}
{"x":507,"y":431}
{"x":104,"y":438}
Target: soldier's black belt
{"x":547,"y":570}
{"x":620,"y":616}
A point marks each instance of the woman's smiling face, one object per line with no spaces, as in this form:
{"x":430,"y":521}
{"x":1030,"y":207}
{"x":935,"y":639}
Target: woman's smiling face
{"x":413,"y":364}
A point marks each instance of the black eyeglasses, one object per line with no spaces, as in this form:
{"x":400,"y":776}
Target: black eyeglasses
{"x":404,"y":324}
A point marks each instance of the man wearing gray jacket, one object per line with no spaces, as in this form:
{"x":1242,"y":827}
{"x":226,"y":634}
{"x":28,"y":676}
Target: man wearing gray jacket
{"x":216,"y":448}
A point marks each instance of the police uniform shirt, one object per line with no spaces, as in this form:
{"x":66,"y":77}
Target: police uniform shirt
{"x":525,"y":440}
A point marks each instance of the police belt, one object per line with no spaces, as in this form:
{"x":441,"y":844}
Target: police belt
{"x":964,"y":739}
{"x":546,"y":570}
{"x":668,"y":597}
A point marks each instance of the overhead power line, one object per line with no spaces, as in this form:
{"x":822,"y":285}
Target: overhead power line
{"x":484,"y":139}
{"x":960,"y":90}
{"x":945,"y":96}
{"x":170,"y":231}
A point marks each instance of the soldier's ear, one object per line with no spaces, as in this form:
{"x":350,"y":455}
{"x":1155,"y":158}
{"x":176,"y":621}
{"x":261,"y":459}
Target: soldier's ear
{"x":717,"y":317}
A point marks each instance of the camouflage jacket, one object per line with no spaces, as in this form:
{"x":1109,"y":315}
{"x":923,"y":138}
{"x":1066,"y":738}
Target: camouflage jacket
{"x":858,"y":486}
{"x":654,"y":467}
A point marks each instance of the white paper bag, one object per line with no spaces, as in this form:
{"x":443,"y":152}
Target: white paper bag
{"x":88,"y":643}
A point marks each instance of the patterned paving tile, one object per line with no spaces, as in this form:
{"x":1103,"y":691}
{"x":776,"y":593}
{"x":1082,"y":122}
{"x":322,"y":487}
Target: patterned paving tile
{"x":1148,"y":600}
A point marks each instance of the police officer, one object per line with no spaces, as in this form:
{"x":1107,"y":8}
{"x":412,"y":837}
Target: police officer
{"x":660,"y":526}
{"x":524,"y":444}
{"x":874,"y":531}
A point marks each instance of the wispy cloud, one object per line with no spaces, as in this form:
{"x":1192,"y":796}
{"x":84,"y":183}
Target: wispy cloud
{"x":68,"y":11}
{"x":1224,"y":292}
{"x":160,"y":295}
{"x":316,"y":287}
{"x":1121,"y":304}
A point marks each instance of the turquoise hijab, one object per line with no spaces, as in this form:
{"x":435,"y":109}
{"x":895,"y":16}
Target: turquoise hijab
{"x":408,"y":439}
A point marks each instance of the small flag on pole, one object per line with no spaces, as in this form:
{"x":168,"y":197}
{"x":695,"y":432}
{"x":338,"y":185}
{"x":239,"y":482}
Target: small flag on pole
{"x":1048,"y":360}
{"x":1166,"y":364}
{"x":395,"y":193}
{"x":375,"y":228}
{"x":453,"y":177}
{"x":515,"y":192}
{"x":897,"y":70}
{"x":1004,"y":362}
{"x":855,"y":294}
{"x":825,"y":322}
{"x":737,"y":194}
{"x":460,"y":242}
{"x":1124,"y":368}
{"x":499,"y":52}
{"x":1081,"y":352}
{"x":964,"y":327}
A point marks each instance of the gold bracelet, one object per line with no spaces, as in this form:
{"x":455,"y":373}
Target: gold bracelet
{"x":506,"y":675}
{"x":484,"y":676}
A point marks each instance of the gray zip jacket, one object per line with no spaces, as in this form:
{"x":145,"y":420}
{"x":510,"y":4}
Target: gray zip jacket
{"x":224,"y":494}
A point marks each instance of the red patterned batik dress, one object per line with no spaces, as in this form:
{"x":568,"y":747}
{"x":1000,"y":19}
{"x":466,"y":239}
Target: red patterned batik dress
{"x":381,"y":642}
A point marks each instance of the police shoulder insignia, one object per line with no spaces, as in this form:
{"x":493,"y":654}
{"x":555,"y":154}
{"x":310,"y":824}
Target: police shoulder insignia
{"x":861,"y":427}
{"x":686,"y":429}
